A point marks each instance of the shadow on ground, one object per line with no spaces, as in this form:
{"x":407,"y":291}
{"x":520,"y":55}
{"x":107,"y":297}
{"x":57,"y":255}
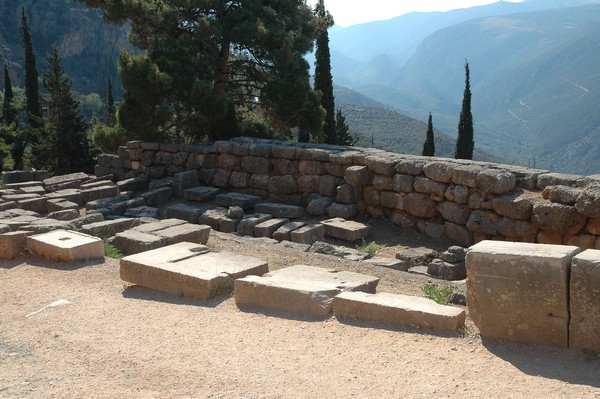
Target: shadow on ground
{"x":145,"y":294}
{"x":404,"y":329}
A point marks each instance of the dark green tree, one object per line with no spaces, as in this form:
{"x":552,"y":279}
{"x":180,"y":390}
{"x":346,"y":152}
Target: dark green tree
{"x":110,"y":110}
{"x":9,"y":112}
{"x":64,"y":146}
{"x":323,"y":78}
{"x":464,"y":141}
{"x":206,"y":60}
{"x":343,"y":130}
{"x":429,"y":145}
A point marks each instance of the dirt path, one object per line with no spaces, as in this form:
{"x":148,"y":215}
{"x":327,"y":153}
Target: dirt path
{"x":117,"y":341}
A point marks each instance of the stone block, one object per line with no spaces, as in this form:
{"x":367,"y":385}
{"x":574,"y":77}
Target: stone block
{"x":398,"y":310}
{"x":269,"y":227}
{"x":300,"y":289}
{"x":239,"y":179}
{"x":211,"y":217}
{"x":227,"y":224}
{"x":200,"y":194}
{"x":70,"y":194}
{"x":496,"y":181}
{"x":588,"y":202}
{"x":221,"y":178}
{"x":94,"y":193}
{"x":247,"y":224}
{"x":453,"y":212}
{"x":108,"y":228}
{"x":67,"y":246}
{"x":390,"y":199}
{"x":344,"y":211}
{"x":71,"y":180}
{"x":19,"y":197}
{"x":143,"y":212}
{"x":194,"y":233}
{"x":347,"y":194}
{"x":284,"y":232}
{"x":311,"y":167}
{"x":308,"y":183}
{"x":357,"y":176}
{"x":439,"y":171}
{"x":346,"y":230}
{"x":158,"y":225}
{"x":256,"y":165}
{"x":318,"y":205}
{"x":446,"y":270}
{"x":102,"y":203}
{"x":466,"y":175}
{"x":308,"y":234}
{"x":428,"y":186}
{"x":584,"y":328}
{"x":120,"y":208}
{"x":403,"y":183}
{"x":158,"y":196}
{"x":188,"y":269}
{"x":458,"y":233}
{"x":285,"y":184}
{"x":133,"y":184}
{"x":185,"y":212}
{"x":420,"y":205}
{"x":133,"y":242}
{"x":519,"y":291}
{"x":33,"y":189}
{"x":9,"y":205}
{"x":516,"y":205}
{"x":390,"y":263}
{"x":458,"y":194}
{"x":328,"y":185}
{"x":244,"y":201}
{"x":281,"y":210}
{"x":12,"y":244}
{"x":38,"y":205}
{"x":557,"y":217}
{"x":66,"y":214}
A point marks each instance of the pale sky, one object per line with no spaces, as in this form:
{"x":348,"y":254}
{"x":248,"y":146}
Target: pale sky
{"x":352,"y":12}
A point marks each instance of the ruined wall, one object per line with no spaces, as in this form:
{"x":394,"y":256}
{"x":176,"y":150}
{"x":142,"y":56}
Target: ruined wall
{"x":464,"y":200}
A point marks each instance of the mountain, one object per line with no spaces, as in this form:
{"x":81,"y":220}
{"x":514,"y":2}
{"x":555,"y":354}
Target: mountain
{"x":89,"y":46}
{"x":535,"y":84}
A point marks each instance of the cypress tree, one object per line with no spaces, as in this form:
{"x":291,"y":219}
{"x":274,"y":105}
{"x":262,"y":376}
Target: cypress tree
{"x":464,"y":141}
{"x":323,"y":78}
{"x":110,"y":117}
{"x":429,"y":145}
{"x":343,"y":130}
{"x":32,"y":88}
{"x":9,"y":112}
{"x":65,"y":146}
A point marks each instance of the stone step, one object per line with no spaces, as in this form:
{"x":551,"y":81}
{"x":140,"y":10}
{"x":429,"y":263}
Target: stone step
{"x":185,"y":212}
{"x":300,"y":289}
{"x":281,"y":210}
{"x":247,"y":224}
{"x":346,"y":230}
{"x":193,"y":233}
{"x":200,"y":194}
{"x":158,"y":225}
{"x":308,"y":234}
{"x":133,"y":242}
{"x":269,"y":227}
{"x":108,"y":228}
{"x":189,"y":270}
{"x":96,"y":193}
{"x":158,"y":196}
{"x":244,"y":201}
{"x":64,"y":245}
{"x":398,"y":310}
{"x":283,"y":233}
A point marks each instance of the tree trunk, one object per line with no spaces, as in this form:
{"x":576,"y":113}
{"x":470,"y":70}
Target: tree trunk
{"x":222,"y":64}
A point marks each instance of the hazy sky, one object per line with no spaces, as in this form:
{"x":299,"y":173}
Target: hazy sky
{"x":351,"y":12}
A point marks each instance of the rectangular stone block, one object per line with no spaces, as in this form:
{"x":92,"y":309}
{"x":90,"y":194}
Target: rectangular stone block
{"x":269,"y":227}
{"x":64,"y":245}
{"x":281,"y":210}
{"x":194,"y":233}
{"x":211,"y":217}
{"x":188,"y":269}
{"x":95,"y":193}
{"x":244,"y":201}
{"x":184,"y":212}
{"x":398,"y":310}
{"x":12,"y":244}
{"x":308,"y":234}
{"x":283,"y":233}
{"x":158,"y":225}
{"x":108,"y":228}
{"x":346,"y":230}
{"x":34,"y":204}
{"x":133,"y":242}
{"x":60,"y":204}
{"x":70,"y":194}
{"x":300,"y":289}
{"x":584,"y":329}
{"x":73,"y":180}
{"x":519,"y":291}
{"x":200,"y":194}
{"x":247,"y":224}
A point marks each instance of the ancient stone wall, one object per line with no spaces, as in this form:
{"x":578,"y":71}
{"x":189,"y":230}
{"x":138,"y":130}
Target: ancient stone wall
{"x":464,"y":200}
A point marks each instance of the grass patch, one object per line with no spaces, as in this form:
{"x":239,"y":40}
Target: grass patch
{"x":370,"y":248}
{"x":110,"y":251}
{"x":439,"y":293}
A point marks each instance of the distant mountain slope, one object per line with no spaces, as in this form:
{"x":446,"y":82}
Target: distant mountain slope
{"x":535,"y":83}
{"x":88,"y":45}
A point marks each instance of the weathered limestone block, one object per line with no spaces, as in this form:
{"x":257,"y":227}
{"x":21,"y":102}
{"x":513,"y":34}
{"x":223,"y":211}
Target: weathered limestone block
{"x":230,"y":162}
{"x":496,"y":181}
{"x":239,"y":179}
{"x":347,"y":194}
{"x":550,"y":237}
{"x":67,"y":246}
{"x":413,"y":167}
{"x":269,"y":227}
{"x":285,"y":184}
{"x":557,"y":217}
{"x":317,"y":206}
{"x":188,"y":269}
{"x":446,"y":270}
{"x":109,"y":228}
{"x":311,"y":167}
{"x":328,"y":185}
{"x":259,"y":181}
{"x":440,"y":171}
{"x":466,"y":175}
{"x":346,"y":230}
{"x":163,"y":158}
{"x":244,"y":201}
{"x":133,"y":242}
{"x":588,"y":202}
{"x":516,"y":205}
{"x":381,"y":182}
{"x":283,"y":151}
{"x":70,"y":194}
{"x":180,"y":158}
{"x":334,"y":169}
{"x":300,"y":289}
{"x":283,"y":233}
{"x":190,"y":214}
{"x":458,"y":194}
{"x":101,"y":203}
{"x":420,"y":205}
{"x":357,"y":176}
{"x":557,"y":179}
{"x":459,"y":234}
{"x":453,"y":212}
{"x":156,"y":197}
{"x":67,"y":214}
{"x":583,"y":241}
{"x":383,"y":164}
{"x":371,"y":196}
{"x":121,"y":207}
{"x":158,"y":225}
{"x":285,"y":167}
{"x":321,"y":247}
{"x":62,"y":182}
{"x":280,"y":210}
{"x":12,"y":244}
{"x":398,"y":310}
{"x":483,"y":222}
{"x":38,"y":205}
{"x":257,"y":165}
{"x":133,"y":184}
{"x":563,"y":194}
{"x":147,"y":158}
{"x":343,"y":158}
{"x":434,"y":230}
{"x":593,"y":226}
{"x":403,"y":183}
{"x":308,"y":183}
{"x":344,"y":211}
{"x":584,"y":328}
{"x":155,"y":172}
{"x":195,"y":161}
{"x":519,"y":291}
{"x":92,"y":194}
{"x":308,"y":234}
{"x":186,"y":232}
{"x":247,"y":224}
{"x":517,"y":230}
{"x":221,"y":178}
{"x":312,"y":154}
{"x":390,"y":199}
{"x":428,"y":186}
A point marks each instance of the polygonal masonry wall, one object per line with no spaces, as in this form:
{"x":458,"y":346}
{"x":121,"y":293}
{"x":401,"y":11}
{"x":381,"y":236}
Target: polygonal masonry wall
{"x":466,"y":201}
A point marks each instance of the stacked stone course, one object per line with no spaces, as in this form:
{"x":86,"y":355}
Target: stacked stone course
{"x":466,"y":201}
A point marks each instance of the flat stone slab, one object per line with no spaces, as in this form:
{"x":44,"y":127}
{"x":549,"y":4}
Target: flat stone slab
{"x":109,"y":228}
{"x":584,"y":328}
{"x":200,"y":194}
{"x":185,"y":232}
{"x":64,"y":245}
{"x":300,"y":289}
{"x":244,"y":201}
{"x":133,"y":242}
{"x":387,"y":262}
{"x":308,"y":234}
{"x":398,"y":310}
{"x":96,"y":193}
{"x":520,"y":291}
{"x":346,"y":230}
{"x":70,"y":194}
{"x":212,"y":217}
{"x":247,"y":224}
{"x":158,"y":225}
{"x":283,"y":233}
{"x":269,"y":227}
{"x":281,"y":210}
{"x":185,"y":212}
{"x":61,"y":180}
{"x":143,"y":212}
{"x":189,"y":270}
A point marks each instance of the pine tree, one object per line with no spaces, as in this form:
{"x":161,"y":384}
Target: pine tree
{"x":9,"y":112}
{"x":65,"y":146}
{"x":323,"y":78}
{"x":464,"y":141}
{"x":111,"y":113}
{"x":206,"y":62}
{"x":343,"y":130}
{"x":429,"y":145}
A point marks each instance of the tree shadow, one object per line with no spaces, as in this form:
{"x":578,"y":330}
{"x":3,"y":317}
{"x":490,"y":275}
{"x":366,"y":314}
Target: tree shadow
{"x":49,"y":264}
{"x":548,"y":362}
{"x":146,"y":294}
